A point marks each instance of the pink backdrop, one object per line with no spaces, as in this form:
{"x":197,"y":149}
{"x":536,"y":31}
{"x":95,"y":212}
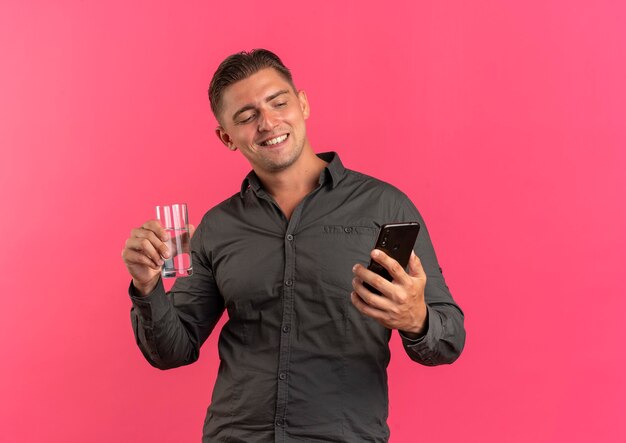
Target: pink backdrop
{"x":503,"y":121}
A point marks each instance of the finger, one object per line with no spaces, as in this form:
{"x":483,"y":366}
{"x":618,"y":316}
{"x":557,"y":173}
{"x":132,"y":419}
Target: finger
{"x":415,"y":267}
{"x":144,"y":246}
{"x":161,"y":246}
{"x":366,"y":309}
{"x":133,"y":257}
{"x":155,"y":226}
{"x":371,"y":299}
{"x":373,"y":279}
{"x":192,"y":230}
{"x":392,"y":266}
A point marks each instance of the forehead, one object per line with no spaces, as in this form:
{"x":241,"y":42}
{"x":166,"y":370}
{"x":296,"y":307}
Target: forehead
{"x":253,"y":90}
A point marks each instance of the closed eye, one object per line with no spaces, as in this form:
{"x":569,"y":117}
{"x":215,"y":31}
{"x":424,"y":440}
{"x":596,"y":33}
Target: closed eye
{"x":280,"y":101}
{"x":247,"y":120}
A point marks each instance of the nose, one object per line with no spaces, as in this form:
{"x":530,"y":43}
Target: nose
{"x":267,"y":120}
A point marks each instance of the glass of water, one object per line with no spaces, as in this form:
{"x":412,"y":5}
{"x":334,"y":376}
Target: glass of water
{"x":174,"y":219}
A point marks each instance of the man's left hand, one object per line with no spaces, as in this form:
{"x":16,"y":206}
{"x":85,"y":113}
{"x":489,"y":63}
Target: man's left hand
{"x":401,"y":305}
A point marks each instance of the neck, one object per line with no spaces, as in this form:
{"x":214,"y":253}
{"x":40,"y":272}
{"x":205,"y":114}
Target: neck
{"x":301,"y":177}
{"x":290,"y":186}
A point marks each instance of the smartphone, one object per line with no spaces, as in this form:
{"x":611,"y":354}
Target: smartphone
{"x":397,"y":241}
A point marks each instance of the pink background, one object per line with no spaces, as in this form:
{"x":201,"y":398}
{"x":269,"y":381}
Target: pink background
{"x":503,"y":121}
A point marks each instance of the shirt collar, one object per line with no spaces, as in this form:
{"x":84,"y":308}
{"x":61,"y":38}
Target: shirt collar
{"x":332,"y":173}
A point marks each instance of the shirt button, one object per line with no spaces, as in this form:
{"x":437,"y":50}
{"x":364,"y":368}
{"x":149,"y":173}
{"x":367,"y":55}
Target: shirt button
{"x":286,"y":329}
{"x":280,"y":422}
{"x":347,"y":229}
{"x":289,"y":282}
{"x":282,"y":376}
{"x":290,"y":237}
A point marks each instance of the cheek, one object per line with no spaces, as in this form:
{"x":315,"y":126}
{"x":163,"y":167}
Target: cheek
{"x":244,"y":138}
{"x":296,"y":118}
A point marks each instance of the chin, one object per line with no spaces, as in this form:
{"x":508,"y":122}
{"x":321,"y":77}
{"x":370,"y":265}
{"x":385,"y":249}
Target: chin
{"x":281,"y":164}
{"x":276,"y":166}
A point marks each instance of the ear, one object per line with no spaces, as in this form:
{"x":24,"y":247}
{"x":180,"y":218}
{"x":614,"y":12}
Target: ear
{"x":225,"y":138}
{"x":304,"y":104}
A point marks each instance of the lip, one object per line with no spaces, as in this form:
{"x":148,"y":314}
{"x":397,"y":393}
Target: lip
{"x":277,"y":145}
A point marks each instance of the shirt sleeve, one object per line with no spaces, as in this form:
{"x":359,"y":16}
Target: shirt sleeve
{"x":444,"y":339}
{"x":171,"y":327}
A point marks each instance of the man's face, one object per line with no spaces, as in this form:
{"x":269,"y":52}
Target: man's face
{"x":264,"y":118}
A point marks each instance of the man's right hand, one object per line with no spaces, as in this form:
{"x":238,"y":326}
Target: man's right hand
{"x":143,"y":255}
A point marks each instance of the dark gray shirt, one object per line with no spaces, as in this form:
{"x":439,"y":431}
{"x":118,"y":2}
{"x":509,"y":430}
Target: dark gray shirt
{"x":297,"y":361}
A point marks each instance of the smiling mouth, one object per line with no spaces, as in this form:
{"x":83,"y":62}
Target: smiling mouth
{"x":274,"y":141}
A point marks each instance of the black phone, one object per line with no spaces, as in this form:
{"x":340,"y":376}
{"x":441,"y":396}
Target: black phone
{"x":397,"y":241}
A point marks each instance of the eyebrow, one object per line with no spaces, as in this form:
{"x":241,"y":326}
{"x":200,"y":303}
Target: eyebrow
{"x":267,"y":99}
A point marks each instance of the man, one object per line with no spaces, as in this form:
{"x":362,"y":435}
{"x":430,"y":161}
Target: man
{"x":304,"y":353}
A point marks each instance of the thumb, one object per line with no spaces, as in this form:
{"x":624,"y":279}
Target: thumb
{"x":415,"y":267}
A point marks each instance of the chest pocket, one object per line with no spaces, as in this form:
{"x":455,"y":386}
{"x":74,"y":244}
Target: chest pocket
{"x":340,"y":248}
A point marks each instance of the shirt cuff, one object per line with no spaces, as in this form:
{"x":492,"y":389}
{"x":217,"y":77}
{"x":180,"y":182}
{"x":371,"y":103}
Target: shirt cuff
{"x":152,"y":307}
{"x":426,"y":343}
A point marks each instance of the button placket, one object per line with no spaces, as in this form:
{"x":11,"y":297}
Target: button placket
{"x":288,"y":300}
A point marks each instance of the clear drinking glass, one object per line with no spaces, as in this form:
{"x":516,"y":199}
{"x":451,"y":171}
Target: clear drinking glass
{"x":174,"y":219}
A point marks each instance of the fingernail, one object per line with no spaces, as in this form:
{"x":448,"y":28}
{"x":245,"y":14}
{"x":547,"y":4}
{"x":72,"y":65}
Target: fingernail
{"x":375,"y":252}
{"x":354,"y":268}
